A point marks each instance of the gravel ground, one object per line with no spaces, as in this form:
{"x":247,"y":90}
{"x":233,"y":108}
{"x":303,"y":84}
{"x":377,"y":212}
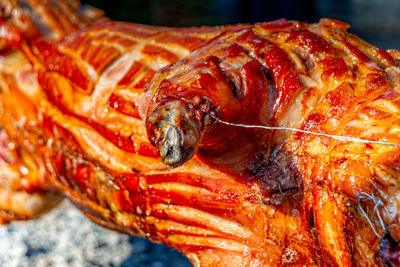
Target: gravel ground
{"x":65,"y":237}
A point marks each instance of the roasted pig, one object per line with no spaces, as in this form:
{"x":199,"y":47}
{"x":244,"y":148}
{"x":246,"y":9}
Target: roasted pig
{"x":272,"y":144}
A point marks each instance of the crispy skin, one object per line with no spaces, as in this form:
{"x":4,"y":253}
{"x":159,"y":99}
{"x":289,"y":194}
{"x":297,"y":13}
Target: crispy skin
{"x":24,"y":190}
{"x":27,"y":19}
{"x":321,"y":79}
{"x":251,"y":198}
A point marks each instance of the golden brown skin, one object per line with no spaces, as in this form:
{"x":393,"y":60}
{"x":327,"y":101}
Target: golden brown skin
{"x":324,"y":80}
{"x":24,"y":192}
{"x":236,"y":197}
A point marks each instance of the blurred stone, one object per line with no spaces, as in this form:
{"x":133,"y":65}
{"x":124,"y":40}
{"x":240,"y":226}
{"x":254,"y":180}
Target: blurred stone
{"x":65,"y":237}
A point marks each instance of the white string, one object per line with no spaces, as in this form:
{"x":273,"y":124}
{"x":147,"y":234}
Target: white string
{"x":362,"y":196}
{"x":377,"y":202}
{"x":337,"y":137}
{"x":279,"y":128}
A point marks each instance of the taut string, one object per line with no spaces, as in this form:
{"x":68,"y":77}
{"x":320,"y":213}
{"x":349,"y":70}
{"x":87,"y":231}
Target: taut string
{"x":279,"y":128}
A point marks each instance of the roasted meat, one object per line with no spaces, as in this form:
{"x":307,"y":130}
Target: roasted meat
{"x":271,"y":144}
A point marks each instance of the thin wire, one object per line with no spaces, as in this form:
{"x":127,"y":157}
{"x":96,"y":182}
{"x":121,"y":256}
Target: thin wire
{"x":362,"y":195}
{"x":337,"y":137}
{"x":261,"y":199}
{"x":279,"y":186}
{"x":377,"y":203}
{"x":279,"y":128}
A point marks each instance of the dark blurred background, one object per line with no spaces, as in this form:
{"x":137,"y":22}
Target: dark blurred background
{"x":377,"y":21}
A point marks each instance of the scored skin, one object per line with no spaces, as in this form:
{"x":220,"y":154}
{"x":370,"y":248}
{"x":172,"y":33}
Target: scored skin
{"x":329,"y":82}
{"x":26,"y":19}
{"x":94,"y":147}
{"x":24,"y":190}
{"x":208,"y":215}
